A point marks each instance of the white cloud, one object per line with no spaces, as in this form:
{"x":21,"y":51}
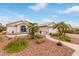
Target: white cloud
{"x":4,"y":20}
{"x":12,"y":16}
{"x":38,"y":6}
{"x":72,"y":23}
{"x":70,"y":10}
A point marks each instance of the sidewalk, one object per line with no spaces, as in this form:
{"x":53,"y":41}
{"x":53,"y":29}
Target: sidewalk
{"x":71,"y":45}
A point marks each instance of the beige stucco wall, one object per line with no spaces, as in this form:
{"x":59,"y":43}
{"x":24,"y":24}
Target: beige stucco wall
{"x":52,"y":30}
{"x":10,"y":29}
{"x":17,"y":29}
{"x":43,"y":30}
{"x":46,"y":30}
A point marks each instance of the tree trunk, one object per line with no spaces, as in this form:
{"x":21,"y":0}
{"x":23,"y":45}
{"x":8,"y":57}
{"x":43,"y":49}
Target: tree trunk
{"x":60,"y":32}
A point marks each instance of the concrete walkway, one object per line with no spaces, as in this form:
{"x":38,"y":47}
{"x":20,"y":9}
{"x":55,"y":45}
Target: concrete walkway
{"x":10,"y":36}
{"x":71,"y":45}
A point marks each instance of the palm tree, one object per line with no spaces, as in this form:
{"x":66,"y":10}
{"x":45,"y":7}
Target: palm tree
{"x":32,"y":28}
{"x":61,"y":27}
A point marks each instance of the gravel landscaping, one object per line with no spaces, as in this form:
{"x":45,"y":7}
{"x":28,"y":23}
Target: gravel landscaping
{"x":48,"y":48}
{"x":74,"y":38}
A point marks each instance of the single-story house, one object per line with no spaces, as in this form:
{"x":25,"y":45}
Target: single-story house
{"x":20,"y":27}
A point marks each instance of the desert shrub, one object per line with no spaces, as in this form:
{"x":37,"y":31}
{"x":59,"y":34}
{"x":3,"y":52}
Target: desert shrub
{"x":65,"y":38}
{"x":54,"y":34}
{"x":17,"y":45}
{"x":39,"y":36}
{"x":39,"y":39}
{"x":76,"y":32}
{"x":50,"y":34}
{"x":70,"y":31}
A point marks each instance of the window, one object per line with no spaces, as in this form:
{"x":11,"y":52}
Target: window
{"x":23,"y":28}
{"x":12,"y":32}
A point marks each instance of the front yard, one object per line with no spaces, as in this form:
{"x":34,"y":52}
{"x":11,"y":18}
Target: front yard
{"x":74,"y":37}
{"x":47,"y":48}
{"x":17,"y":45}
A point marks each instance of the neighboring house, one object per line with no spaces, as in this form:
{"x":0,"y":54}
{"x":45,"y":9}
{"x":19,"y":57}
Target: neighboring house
{"x":47,"y":28}
{"x":20,"y":27}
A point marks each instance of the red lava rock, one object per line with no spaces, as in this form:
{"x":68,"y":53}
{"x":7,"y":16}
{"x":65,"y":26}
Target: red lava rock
{"x":48,"y":48}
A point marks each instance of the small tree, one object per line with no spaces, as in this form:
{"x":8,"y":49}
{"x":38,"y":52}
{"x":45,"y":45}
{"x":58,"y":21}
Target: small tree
{"x":2,"y":27}
{"x":32,"y":29}
{"x":62,"y":27}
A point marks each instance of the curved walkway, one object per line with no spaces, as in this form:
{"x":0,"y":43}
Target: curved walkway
{"x":71,"y":45}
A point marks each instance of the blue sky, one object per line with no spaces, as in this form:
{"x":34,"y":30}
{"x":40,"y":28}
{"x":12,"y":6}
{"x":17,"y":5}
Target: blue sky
{"x":40,"y":12}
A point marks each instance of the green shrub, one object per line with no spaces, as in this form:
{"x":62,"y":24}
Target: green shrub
{"x":64,"y":38}
{"x":0,"y":38}
{"x":17,"y":45}
{"x":50,"y":33}
{"x":54,"y":34}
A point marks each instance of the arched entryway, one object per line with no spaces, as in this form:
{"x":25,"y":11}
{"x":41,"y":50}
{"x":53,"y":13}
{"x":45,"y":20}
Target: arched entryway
{"x":23,"y":28}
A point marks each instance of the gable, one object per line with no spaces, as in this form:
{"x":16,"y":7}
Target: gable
{"x":18,"y":23}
